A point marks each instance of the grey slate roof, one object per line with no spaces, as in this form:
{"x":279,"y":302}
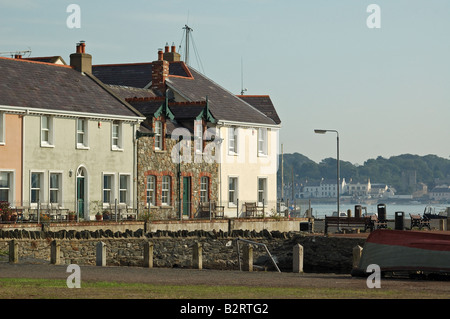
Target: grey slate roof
{"x":57,"y":87}
{"x":223,"y":104}
{"x":136,"y":75}
{"x":193,"y":86}
{"x":262,"y":103}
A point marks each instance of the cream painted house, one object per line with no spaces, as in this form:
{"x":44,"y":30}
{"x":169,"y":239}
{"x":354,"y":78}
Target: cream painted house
{"x":79,"y":146}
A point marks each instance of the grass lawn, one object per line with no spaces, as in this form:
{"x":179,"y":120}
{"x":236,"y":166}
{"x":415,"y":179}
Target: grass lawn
{"x":20,"y":288}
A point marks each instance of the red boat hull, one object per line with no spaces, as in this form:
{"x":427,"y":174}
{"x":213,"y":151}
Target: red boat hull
{"x":398,"y":250}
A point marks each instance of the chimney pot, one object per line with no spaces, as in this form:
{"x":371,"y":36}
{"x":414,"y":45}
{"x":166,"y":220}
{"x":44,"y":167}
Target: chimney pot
{"x":81,"y":61}
{"x":160,"y":54}
{"x":166,"y":49}
{"x":173,"y":48}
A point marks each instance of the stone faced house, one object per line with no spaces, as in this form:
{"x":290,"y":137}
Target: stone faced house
{"x":240,"y":133}
{"x":167,"y":178}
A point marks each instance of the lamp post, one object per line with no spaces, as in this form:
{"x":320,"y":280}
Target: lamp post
{"x":337,"y":168}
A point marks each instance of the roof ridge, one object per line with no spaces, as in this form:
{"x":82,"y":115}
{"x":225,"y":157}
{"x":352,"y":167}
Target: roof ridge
{"x":37,"y":62}
{"x":120,"y":64}
{"x":254,"y":95}
{"x":144,"y":99}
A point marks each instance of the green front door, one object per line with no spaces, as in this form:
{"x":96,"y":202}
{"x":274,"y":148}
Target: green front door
{"x":186,"y":195}
{"x":81,"y":194}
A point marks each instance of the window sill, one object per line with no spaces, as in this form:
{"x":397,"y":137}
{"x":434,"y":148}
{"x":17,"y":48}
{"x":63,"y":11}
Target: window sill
{"x":82,"y":147}
{"x":47,"y":145}
{"x":262,"y":155}
{"x":117,"y":149}
{"x":160,"y":151}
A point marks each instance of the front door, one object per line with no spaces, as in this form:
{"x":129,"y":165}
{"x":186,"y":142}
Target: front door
{"x":186,"y":196}
{"x":81,"y":193}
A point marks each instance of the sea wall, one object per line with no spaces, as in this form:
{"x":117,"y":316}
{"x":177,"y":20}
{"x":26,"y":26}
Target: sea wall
{"x":175,"y":249}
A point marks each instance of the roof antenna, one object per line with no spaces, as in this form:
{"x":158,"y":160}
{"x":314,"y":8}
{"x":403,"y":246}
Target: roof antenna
{"x":242,"y":78}
{"x":188,"y":33}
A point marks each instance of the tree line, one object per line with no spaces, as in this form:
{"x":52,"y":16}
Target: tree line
{"x":402,"y":172}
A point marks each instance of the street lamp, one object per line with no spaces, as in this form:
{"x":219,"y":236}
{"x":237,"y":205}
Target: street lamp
{"x":337,"y":167}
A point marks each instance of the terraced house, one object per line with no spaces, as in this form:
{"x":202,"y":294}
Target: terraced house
{"x":66,"y":140}
{"x":238,"y":133}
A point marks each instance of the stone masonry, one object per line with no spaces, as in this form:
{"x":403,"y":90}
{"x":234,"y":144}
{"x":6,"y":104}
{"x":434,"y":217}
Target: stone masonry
{"x":175,"y":249}
{"x":159,"y":163}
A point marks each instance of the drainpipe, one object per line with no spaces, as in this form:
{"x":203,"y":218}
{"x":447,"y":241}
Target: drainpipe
{"x":135,"y":204}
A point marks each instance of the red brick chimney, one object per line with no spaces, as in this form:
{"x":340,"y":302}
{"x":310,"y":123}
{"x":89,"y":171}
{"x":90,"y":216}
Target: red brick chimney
{"x":160,"y":71}
{"x":171,"y":56}
{"x":81,"y":61}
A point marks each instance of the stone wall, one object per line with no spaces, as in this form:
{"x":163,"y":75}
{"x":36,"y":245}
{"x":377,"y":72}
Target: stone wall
{"x":174,"y":249}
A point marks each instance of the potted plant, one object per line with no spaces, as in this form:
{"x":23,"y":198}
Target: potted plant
{"x":44,"y":217}
{"x":99,"y":216}
{"x":72,"y":215}
{"x":5,"y":211}
{"x":106,"y":215}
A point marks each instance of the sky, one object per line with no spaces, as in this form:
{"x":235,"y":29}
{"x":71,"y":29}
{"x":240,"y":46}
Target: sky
{"x":385,"y":90}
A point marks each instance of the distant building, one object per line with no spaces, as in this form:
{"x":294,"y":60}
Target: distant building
{"x":322,"y":189}
{"x":358,"y":189}
{"x":441,"y":193}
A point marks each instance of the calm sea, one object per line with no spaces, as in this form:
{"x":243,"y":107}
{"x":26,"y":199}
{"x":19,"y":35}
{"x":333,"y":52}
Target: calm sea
{"x":320,"y":210}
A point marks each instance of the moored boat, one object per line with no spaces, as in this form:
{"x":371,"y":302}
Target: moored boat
{"x":410,"y":251}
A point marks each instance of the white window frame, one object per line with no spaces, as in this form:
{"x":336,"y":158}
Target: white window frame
{"x":150,"y":193}
{"x":159,"y":135}
{"x":234,"y":191}
{"x":204,"y":189}
{"x":49,"y":130}
{"x":117,"y":146}
{"x":166,"y":189}
{"x":233,"y":141}
{"x":126,"y":190}
{"x":59,"y":189}
{"x":112,"y":176}
{"x":198,"y":136}
{"x":262,"y":192}
{"x":12,"y":185}
{"x":2,"y":128}
{"x":40,"y":188}
{"x":262,"y":141}
{"x":84,"y":132}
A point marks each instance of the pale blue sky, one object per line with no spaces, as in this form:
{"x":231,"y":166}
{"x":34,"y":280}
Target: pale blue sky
{"x":386,"y":91}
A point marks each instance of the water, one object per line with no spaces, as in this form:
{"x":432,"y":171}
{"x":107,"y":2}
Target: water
{"x":320,"y":210}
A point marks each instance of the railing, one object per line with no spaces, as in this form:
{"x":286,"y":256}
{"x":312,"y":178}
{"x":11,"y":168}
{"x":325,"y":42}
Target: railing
{"x":74,"y":211}
{"x":77,"y":211}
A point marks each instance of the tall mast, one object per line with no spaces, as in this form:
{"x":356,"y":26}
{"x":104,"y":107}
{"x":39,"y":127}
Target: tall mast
{"x":188,"y":33}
